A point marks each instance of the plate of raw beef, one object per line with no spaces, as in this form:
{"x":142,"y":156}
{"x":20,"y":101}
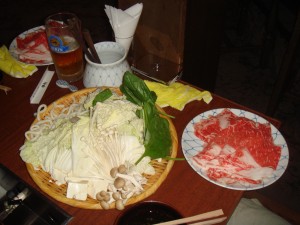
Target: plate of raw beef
{"x":235,"y":149}
{"x":31,"y":47}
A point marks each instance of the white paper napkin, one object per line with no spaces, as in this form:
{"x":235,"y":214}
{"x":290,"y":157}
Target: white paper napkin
{"x":124,"y":23}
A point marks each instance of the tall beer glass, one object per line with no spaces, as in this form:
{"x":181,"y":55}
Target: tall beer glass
{"x":64,"y":35}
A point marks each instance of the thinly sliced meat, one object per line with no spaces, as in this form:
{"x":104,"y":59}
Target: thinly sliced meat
{"x":39,"y":54}
{"x":234,"y":146}
{"x":33,"y":48}
{"x":31,"y":39}
{"x":228,"y":165}
{"x":207,"y":129}
{"x":256,"y":138}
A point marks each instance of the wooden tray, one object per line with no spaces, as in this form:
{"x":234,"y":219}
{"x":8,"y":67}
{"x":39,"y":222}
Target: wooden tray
{"x":46,"y":183}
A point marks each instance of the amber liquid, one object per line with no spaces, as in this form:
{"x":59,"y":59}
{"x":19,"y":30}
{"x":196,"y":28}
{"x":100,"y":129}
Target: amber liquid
{"x":69,"y":65}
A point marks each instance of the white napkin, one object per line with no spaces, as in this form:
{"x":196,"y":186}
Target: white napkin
{"x":124,"y":23}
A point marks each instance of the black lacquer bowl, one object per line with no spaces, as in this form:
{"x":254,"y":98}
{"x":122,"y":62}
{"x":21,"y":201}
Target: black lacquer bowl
{"x":146,"y":213}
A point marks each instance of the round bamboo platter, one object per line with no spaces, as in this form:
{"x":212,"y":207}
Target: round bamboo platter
{"x":48,"y":185}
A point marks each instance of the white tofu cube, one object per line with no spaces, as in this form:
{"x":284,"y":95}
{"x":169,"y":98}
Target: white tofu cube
{"x":77,"y":190}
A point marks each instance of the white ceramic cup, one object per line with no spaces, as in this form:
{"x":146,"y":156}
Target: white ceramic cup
{"x":112,"y":68}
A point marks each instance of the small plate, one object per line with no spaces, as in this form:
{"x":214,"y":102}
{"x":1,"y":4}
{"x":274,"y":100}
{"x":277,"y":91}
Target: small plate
{"x":149,"y":212}
{"x":192,"y":145}
{"x":13,"y":47}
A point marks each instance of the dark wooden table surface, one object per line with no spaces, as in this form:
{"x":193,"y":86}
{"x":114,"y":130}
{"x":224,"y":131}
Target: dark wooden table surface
{"x":183,"y":188}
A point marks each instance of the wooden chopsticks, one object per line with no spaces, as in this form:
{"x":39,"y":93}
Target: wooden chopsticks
{"x":77,"y":34}
{"x":89,"y":41}
{"x":203,"y":216}
{"x":210,"y":222}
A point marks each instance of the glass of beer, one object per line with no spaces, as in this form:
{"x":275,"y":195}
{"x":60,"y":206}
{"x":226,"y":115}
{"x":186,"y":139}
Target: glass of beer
{"x":64,"y":39}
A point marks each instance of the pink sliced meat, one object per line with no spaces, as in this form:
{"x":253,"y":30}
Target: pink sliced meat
{"x":33,"y":48}
{"x":32,"y":39}
{"x":39,"y":54}
{"x":236,"y":146}
{"x":207,"y":129}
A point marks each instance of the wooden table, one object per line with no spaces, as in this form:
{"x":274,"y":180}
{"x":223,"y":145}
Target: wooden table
{"x":183,"y":188}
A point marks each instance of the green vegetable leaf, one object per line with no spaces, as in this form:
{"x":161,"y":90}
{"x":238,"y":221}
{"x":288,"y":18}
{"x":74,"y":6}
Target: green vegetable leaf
{"x":157,"y":140}
{"x":136,"y":90}
{"x":130,"y":95}
{"x":102,"y":96}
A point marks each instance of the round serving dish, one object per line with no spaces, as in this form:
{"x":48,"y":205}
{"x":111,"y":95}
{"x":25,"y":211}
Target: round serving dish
{"x":47,"y":184}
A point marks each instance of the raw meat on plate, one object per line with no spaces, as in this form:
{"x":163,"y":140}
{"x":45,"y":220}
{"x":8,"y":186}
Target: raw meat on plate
{"x":33,"y":48}
{"x":237,"y":149}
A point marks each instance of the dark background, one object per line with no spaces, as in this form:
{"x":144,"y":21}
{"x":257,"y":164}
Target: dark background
{"x":18,"y":16}
{"x":260,"y":47}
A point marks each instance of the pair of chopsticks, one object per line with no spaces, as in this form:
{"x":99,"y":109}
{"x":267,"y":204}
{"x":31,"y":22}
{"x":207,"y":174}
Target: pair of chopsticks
{"x":194,"y":220}
{"x":93,"y":56}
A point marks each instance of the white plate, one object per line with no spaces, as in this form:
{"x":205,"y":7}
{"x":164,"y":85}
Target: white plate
{"x":192,"y":145}
{"x":13,"y":47}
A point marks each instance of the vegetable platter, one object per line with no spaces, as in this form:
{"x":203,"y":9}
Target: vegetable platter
{"x":47,"y":184}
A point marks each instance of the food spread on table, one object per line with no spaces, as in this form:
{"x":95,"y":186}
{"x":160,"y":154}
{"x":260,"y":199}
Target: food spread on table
{"x":101,"y":145}
{"x":70,"y":143}
{"x":32,"y":47}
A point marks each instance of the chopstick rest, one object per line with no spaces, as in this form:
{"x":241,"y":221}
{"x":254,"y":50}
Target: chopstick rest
{"x":65,"y":84}
{"x":203,"y":216}
{"x":41,"y":87}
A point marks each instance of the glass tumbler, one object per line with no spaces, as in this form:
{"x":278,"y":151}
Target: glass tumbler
{"x":64,"y":39}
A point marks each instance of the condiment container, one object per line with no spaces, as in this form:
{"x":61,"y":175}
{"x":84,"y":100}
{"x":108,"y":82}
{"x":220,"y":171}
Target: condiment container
{"x":111,"y":69}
